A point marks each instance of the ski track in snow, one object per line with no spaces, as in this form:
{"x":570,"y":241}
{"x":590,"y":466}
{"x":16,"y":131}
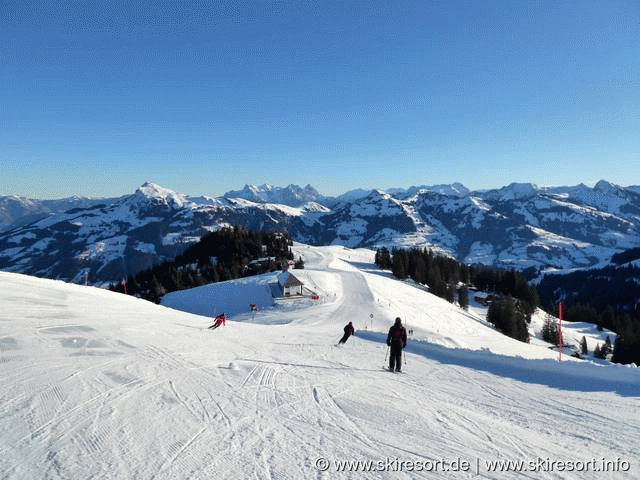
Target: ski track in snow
{"x":98,"y":385}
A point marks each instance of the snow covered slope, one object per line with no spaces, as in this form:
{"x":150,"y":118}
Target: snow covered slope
{"x":98,"y":385}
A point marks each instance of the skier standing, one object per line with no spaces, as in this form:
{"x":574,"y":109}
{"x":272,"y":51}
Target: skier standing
{"x":397,"y":340}
{"x":348,"y":331}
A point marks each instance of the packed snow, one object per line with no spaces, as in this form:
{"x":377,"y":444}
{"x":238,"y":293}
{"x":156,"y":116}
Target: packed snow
{"x":95,"y":384}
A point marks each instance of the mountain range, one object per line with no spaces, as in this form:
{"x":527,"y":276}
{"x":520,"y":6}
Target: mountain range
{"x":519,"y":226}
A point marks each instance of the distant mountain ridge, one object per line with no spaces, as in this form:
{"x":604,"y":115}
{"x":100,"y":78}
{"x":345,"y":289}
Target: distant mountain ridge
{"x":16,"y":211}
{"x":517,"y":226}
{"x":293,"y":195}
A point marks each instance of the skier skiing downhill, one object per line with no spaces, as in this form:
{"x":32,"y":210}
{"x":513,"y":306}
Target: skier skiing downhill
{"x":397,"y":340}
{"x":348,"y":331}
{"x":220,"y":320}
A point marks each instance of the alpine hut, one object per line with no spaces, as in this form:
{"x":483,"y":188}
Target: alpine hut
{"x":289,"y":284}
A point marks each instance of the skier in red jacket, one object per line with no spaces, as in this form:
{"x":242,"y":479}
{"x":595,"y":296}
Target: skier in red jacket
{"x":220,"y":320}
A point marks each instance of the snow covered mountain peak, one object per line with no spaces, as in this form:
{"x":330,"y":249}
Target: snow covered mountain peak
{"x":292,"y":195}
{"x":159,"y":195}
{"x":607,"y":188}
{"x":454,"y":190}
{"x":378,"y":193}
{"x":449,"y":190}
{"x":265,"y":187}
{"x":514,"y":191}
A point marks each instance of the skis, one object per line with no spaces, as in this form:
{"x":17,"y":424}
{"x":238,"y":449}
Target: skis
{"x":387,"y":369}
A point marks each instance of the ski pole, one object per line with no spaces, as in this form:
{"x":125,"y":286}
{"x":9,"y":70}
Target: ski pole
{"x":386,"y":354}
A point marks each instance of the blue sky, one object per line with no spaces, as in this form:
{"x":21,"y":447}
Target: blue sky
{"x":203,"y":97}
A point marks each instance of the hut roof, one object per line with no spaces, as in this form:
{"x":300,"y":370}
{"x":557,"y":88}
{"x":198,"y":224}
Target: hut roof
{"x":287,"y":279}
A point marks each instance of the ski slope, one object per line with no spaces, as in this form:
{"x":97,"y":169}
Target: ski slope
{"x":95,"y":384}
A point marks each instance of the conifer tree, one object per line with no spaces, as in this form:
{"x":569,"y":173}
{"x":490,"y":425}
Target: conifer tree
{"x":383,"y":258}
{"x":550,"y":332}
{"x":508,"y":318}
{"x":463,"y":297}
{"x":419,"y":273}
{"x":450,"y":293}
{"x":398,"y":266}
{"x":599,"y":352}
{"x":583,"y":346}
{"x":434,"y":279}
{"x":627,"y":345}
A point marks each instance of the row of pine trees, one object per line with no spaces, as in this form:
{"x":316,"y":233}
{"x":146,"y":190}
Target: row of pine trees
{"x":515,"y":299}
{"x":551,"y":334}
{"x":510,"y":311}
{"x":607,"y":297}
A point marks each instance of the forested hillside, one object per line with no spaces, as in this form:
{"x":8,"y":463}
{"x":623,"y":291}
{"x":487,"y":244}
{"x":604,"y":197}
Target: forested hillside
{"x":226,"y":254}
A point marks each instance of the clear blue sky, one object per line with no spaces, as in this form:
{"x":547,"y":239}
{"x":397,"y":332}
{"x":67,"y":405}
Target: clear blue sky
{"x":203,"y":97}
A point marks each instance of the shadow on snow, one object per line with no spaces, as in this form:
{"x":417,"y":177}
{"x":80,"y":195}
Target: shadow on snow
{"x":569,"y":375}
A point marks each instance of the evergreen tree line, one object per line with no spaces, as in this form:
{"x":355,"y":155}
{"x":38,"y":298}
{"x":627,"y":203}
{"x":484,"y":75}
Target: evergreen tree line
{"x":510,"y":312}
{"x":511,"y":317}
{"x":551,"y":333}
{"x":626,"y":256}
{"x":607,"y":297}
{"x":226,"y":254}
{"x":615,"y":287}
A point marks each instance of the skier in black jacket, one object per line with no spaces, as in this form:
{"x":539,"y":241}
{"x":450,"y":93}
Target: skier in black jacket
{"x":348,"y":331}
{"x":397,"y":340}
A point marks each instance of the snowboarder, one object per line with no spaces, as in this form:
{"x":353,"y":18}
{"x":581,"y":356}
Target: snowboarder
{"x":220,"y":320}
{"x":348,"y":331}
{"x":396,"y":340}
